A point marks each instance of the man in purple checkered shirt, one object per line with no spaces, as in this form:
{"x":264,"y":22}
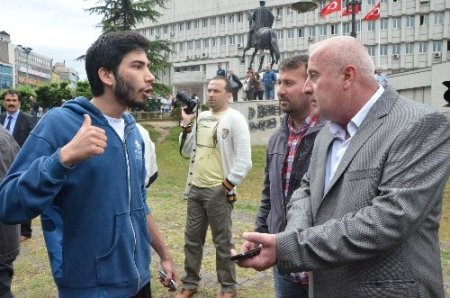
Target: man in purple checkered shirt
{"x":287,"y":160}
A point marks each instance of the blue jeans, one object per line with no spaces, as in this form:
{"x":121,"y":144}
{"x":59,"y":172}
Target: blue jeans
{"x":6,"y":274}
{"x":285,"y":288}
{"x":269,"y":93}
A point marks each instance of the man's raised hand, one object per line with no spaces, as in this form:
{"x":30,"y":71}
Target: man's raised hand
{"x":89,"y":141}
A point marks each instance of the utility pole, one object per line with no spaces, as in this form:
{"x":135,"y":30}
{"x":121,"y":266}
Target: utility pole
{"x":27,"y":51}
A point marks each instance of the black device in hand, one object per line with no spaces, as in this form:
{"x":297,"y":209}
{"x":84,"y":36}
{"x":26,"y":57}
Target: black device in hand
{"x":190,"y":103}
{"x":245,"y":255}
{"x":172,"y":284}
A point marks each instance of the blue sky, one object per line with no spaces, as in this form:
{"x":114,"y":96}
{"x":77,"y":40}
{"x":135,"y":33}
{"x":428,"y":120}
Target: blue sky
{"x":58,"y":29}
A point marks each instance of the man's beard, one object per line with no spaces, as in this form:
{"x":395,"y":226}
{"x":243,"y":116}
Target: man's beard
{"x":124,"y":93}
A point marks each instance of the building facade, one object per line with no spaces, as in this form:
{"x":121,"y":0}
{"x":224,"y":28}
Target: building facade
{"x":66,"y":74}
{"x":32,"y":69}
{"x":411,"y":34}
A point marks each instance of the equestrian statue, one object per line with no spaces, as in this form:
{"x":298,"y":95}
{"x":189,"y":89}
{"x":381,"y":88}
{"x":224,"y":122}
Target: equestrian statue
{"x":261,"y":36}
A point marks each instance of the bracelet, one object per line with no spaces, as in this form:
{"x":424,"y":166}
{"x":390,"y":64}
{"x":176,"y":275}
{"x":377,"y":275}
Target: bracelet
{"x":227,"y":184}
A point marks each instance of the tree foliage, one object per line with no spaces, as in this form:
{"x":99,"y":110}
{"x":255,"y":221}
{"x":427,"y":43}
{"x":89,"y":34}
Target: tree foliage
{"x":122,"y":15}
{"x":53,"y":95}
{"x":83,"y":89}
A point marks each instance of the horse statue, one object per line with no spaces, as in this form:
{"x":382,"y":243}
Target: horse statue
{"x":263,"y":39}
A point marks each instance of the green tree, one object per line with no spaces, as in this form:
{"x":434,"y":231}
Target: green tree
{"x":122,"y":15}
{"x":83,"y":89}
{"x":53,"y":95}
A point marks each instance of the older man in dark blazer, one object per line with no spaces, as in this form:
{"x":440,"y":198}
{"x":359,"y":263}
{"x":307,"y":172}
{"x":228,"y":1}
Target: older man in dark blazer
{"x":365,"y":219}
{"x":19,"y":125}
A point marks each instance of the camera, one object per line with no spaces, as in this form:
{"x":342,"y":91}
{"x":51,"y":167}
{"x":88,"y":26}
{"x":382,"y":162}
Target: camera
{"x":187,"y":101}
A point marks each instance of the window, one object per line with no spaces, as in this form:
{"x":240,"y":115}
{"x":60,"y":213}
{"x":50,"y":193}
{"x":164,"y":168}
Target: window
{"x":222,"y":41}
{"x":371,"y":50}
{"x":423,"y":20}
{"x":289,"y":11}
{"x":213,"y":42}
{"x":280,"y":12}
{"x":190,"y":45}
{"x":383,"y":50}
{"x":180,"y":26}
{"x":409,"y":48}
{"x":197,"y":24}
{"x":396,"y":48}
{"x":240,"y":16}
{"x":383,"y":24}
{"x":409,"y":21}
{"x":206,"y":43}
{"x":371,"y":26}
{"x":423,"y":47}
{"x":205,"y":22}
{"x":188,"y":25}
{"x":437,"y":46}
{"x":312,"y":31}
{"x":333,"y":29}
{"x":346,"y":28}
{"x":213,"y":21}
{"x":290,"y":33}
{"x":222,"y":20}
{"x":396,"y":23}
{"x":198,"y":44}
{"x":231,"y":40}
{"x":181,"y":46}
{"x":323,"y":30}
{"x":439,"y":18}
{"x":301,"y":32}
{"x":174,"y":28}
{"x":280,"y":34}
{"x":241,"y":39}
{"x":231,"y":18}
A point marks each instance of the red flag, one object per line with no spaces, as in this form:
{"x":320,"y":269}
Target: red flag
{"x":374,"y":14}
{"x":348,"y":11}
{"x":333,"y":6}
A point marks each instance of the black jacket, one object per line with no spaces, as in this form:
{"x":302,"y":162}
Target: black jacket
{"x":23,"y":127}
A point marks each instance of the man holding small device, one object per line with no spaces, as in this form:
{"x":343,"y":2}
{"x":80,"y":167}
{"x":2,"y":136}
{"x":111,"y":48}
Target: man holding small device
{"x":218,"y":144}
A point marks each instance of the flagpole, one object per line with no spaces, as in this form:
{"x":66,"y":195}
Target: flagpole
{"x":360,"y":25}
{"x":342,"y":25}
{"x":379,"y":39}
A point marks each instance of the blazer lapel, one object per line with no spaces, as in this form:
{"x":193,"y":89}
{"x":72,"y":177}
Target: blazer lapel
{"x":318,"y":186}
{"x":371,"y":123}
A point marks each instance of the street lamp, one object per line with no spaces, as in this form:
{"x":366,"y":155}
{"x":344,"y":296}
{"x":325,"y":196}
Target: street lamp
{"x":27,"y":51}
{"x":304,"y":6}
{"x":353,"y":4}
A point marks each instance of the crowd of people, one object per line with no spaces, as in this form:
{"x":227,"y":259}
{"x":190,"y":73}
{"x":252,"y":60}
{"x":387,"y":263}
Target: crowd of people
{"x":350,"y":204}
{"x":253,"y":86}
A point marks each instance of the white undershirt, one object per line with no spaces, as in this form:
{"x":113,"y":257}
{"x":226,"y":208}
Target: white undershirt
{"x":118,"y":124}
{"x":340,"y":143}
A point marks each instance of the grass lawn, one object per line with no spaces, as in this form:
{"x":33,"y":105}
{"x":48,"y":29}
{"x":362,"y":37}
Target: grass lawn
{"x":33,"y":277}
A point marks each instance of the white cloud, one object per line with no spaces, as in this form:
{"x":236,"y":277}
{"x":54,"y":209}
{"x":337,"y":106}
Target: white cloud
{"x":58,"y":29}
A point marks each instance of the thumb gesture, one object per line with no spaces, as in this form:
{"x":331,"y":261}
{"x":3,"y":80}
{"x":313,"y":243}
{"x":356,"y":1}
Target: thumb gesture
{"x":87,"y":142}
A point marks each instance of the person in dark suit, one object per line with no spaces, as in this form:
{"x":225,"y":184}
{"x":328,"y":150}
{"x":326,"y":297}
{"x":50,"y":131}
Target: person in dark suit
{"x":19,"y":125}
{"x":365,"y":219}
